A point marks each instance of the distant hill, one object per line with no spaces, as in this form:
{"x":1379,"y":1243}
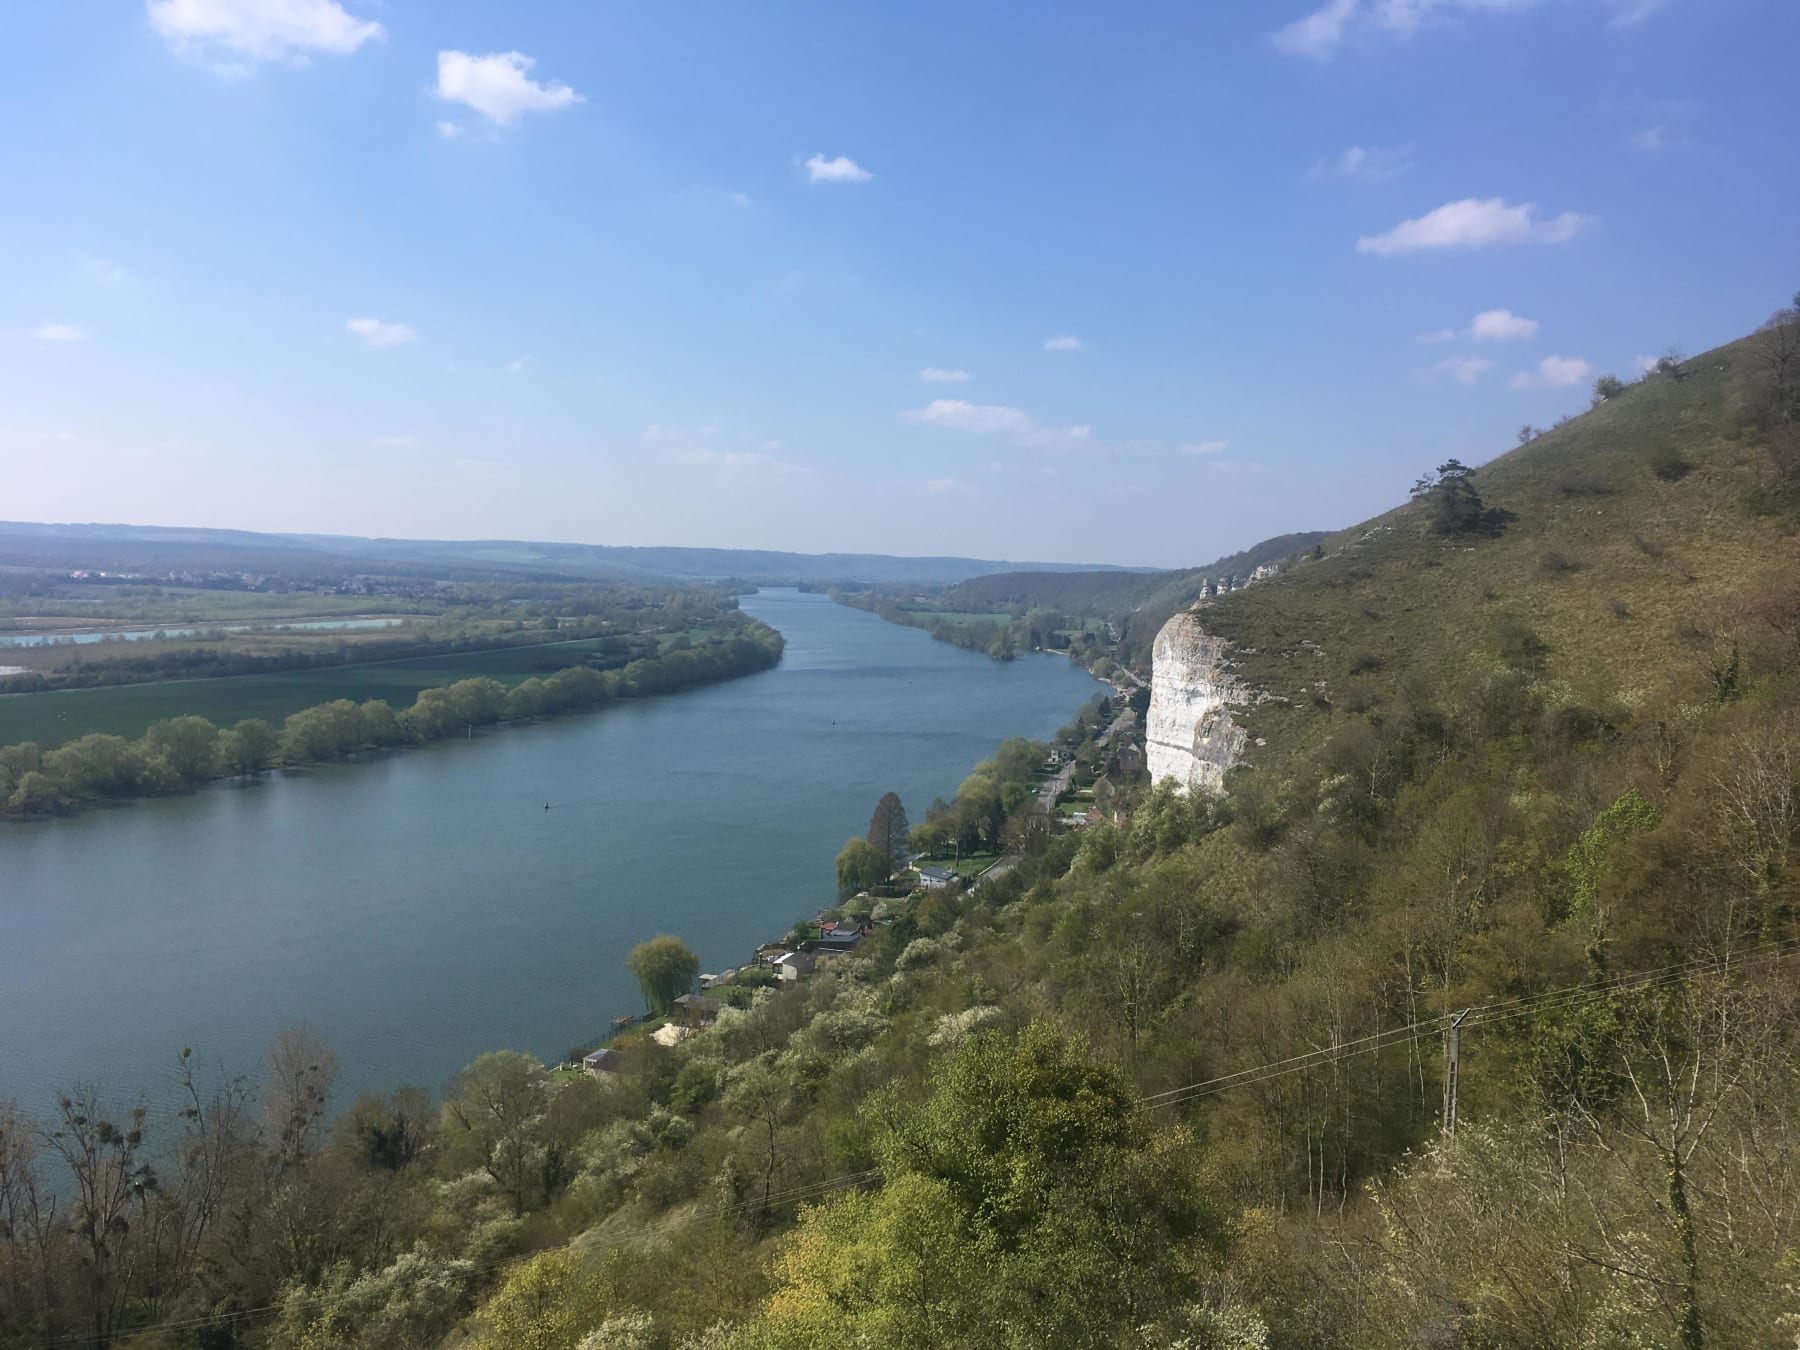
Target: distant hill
{"x":159,"y":549}
{"x":1137,"y":603}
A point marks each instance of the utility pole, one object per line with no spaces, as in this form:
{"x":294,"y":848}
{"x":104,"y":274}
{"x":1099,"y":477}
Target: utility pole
{"x":1450,"y":1068}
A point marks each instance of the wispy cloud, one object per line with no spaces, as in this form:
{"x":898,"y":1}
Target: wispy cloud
{"x":1465,"y":369}
{"x":1553,"y":372}
{"x":499,"y":86}
{"x":978,"y":419}
{"x":234,"y":34}
{"x":1068,"y":342}
{"x":841,"y":169}
{"x":938,"y":375}
{"x":1201,"y":448}
{"x":1630,"y":13}
{"x":1491,"y":325}
{"x":1366,"y":164}
{"x":395,"y":441}
{"x":1474,"y":223}
{"x":517,"y":365}
{"x":738,"y":465}
{"x":1317,"y":34}
{"x":60,"y":332}
{"x":741,"y":200}
{"x":379,"y":334}
{"x":105,"y":271}
{"x":449,"y":130}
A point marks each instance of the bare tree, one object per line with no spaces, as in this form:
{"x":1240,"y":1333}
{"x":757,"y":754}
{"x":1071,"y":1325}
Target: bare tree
{"x":302,"y":1070}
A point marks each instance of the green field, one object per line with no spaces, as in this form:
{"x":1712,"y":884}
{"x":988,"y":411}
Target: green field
{"x":127,"y":710}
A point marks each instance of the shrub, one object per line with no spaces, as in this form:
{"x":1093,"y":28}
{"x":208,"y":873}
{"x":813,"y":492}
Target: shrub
{"x":1556,"y":562}
{"x":1670,"y":465}
{"x":1363,"y":662}
{"x":1607,"y":388}
{"x":1650,"y":548}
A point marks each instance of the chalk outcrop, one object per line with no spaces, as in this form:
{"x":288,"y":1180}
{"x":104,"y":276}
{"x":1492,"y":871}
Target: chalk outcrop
{"x":1191,"y":737}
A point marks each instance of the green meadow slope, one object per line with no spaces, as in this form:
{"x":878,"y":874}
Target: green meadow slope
{"x":1636,"y":550}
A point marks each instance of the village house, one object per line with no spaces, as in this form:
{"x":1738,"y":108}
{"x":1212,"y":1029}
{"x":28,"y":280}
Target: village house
{"x":604,"y":1063}
{"x":697,"y":1010}
{"x":936,"y":878}
{"x":794,"y":965}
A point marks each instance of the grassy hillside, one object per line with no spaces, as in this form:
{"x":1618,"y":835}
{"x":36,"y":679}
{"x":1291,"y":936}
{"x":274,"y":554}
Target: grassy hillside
{"x":1636,"y":550}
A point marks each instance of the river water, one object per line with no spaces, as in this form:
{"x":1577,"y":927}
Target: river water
{"x":423,"y":907}
{"x":207,"y":630}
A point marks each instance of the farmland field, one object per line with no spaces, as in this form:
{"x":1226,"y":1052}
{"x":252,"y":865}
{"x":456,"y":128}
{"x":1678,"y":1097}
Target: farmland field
{"x":126,"y":710}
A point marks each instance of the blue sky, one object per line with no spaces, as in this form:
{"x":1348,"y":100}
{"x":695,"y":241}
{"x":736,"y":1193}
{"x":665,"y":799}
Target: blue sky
{"x":1137,"y":284}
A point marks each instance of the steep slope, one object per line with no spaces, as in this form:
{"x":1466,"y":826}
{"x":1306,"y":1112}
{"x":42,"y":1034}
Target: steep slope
{"x":1631,"y":555}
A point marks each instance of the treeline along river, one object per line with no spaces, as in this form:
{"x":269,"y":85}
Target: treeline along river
{"x":422,"y":907}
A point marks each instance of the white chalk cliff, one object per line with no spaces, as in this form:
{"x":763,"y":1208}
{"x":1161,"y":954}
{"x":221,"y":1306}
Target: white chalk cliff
{"x":1191,"y":736}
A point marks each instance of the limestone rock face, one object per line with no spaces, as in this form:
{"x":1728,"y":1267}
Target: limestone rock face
{"x":1190,"y":736}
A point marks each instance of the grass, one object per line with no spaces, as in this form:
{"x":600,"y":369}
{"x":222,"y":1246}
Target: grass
{"x":1612,"y":580}
{"x":128,"y":710}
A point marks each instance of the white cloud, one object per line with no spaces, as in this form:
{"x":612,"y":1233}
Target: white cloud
{"x":1318,"y":34}
{"x":1553,"y":372}
{"x":1465,"y":369}
{"x":1645,"y":364}
{"x":499,"y":86}
{"x":517,"y":365}
{"x":1502,"y":325}
{"x":1661,"y":137}
{"x":842,"y":169}
{"x":741,"y":200}
{"x":401,"y":441}
{"x":104,"y":270}
{"x":1629,"y":13}
{"x":938,"y":375}
{"x":1068,"y":342}
{"x":1366,"y":164}
{"x":736,"y":465}
{"x":379,"y":334}
{"x":449,"y":130}
{"x":993,"y":420}
{"x":1201,"y":448}
{"x":937,"y":486}
{"x":258,"y":30}
{"x":60,"y":332}
{"x":1473,"y":223}
{"x":983,"y":420}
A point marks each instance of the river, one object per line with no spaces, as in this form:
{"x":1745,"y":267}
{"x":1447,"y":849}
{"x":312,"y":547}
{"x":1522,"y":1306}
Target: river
{"x":423,"y":907}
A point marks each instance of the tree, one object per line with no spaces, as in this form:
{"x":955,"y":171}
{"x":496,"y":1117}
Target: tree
{"x":888,"y":829}
{"x":860,"y":865}
{"x":1456,"y":507}
{"x":302,"y":1070}
{"x":188,"y":745}
{"x":249,"y":747}
{"x":664,"y":968}
{"x":493,"y":1119}
{"x":1607,"y":388}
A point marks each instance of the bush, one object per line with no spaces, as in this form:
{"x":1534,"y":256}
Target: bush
{"x":1556,"y":562}
{"x":1366,"y":661}
{"x":1607,"y":388}
{"x":1670,"y":465}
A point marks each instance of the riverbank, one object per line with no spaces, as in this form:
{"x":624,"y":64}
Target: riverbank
{"x":186,"y":752}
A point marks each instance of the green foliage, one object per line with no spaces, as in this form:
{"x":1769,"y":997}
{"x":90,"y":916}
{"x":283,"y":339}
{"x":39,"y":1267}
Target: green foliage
{"x":664,"y":968}
{"x":1589,"y":858}
{"x":860,"y":865}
